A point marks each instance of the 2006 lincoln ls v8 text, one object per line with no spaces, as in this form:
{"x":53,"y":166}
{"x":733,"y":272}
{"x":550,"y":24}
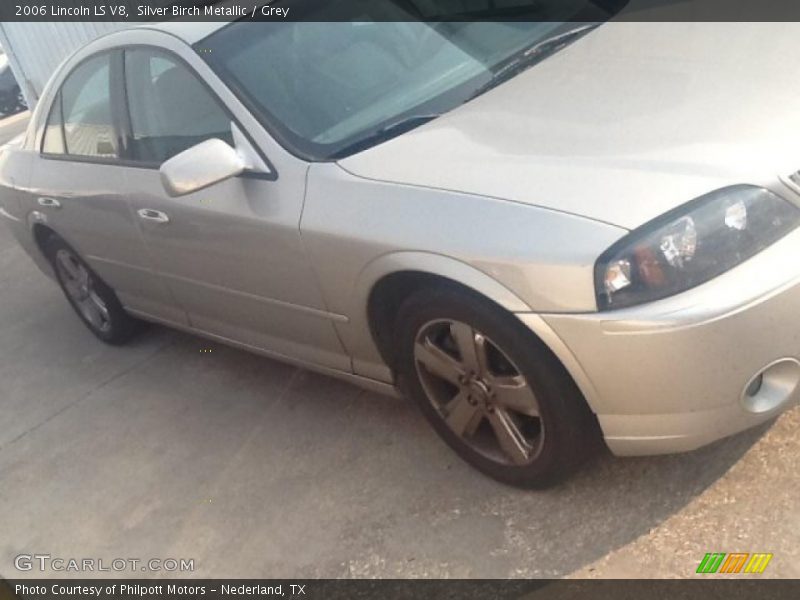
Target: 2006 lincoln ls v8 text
{"x":546,"y":233}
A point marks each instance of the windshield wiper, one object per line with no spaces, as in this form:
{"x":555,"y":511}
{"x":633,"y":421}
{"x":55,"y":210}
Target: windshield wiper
{"x":532,"y":55}
{"x":384,"y":133}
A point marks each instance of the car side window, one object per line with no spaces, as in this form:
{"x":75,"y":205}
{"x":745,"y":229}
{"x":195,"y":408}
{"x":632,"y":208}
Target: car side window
{"x":80,"y":122}
{"x":170,"y":108}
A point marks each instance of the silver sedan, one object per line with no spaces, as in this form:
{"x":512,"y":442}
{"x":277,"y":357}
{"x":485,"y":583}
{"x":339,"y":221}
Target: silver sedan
{"x":548,"y":234}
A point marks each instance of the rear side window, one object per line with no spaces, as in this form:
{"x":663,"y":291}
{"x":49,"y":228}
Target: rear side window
{"x":80,"y":122}
{"x":170,"y":108}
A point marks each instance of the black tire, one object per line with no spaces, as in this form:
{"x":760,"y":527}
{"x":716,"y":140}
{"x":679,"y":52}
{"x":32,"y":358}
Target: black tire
{"x":570,"y":429}
{"x":118,"y":327}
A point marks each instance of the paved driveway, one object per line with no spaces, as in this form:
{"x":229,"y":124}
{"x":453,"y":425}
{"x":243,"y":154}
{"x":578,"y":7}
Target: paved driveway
{"x":256,"y":469}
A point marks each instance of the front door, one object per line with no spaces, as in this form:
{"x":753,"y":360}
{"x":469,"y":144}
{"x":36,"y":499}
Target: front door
{"x":231,"y":253}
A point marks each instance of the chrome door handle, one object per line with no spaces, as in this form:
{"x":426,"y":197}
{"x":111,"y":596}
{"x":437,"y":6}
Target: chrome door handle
{"x":156,"y":216}
{"x":49,"y":202}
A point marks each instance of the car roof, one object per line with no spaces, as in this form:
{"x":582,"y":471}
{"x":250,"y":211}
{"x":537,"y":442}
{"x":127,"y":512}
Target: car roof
{"x":189,"y":31}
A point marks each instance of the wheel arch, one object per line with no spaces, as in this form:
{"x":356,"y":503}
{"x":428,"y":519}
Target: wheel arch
{"x":41,"y":234}
{"x":387,"y":281}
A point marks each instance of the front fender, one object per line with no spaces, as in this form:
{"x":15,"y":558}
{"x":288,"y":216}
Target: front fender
{"x":433,"y":264}
{"x":367,"y":360}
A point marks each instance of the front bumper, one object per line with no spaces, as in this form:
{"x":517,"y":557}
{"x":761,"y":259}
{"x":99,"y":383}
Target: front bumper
{"x":672,"y":375}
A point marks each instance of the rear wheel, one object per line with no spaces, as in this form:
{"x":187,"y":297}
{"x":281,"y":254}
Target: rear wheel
{"x":491,"y":389}
{"x":93,"y":300}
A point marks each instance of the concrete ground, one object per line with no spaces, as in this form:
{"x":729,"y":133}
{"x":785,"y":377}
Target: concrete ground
{"x":257,"y":469}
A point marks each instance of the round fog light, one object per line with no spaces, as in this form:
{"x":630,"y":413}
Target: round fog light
{"x":774,"y":385}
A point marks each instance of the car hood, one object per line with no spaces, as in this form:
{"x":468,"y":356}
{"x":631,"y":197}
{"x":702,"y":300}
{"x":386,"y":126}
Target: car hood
{"x":621,"y":126}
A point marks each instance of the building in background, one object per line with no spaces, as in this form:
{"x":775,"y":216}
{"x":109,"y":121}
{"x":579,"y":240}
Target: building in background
{"x":11,"y":99}
{"x":34,"y":50}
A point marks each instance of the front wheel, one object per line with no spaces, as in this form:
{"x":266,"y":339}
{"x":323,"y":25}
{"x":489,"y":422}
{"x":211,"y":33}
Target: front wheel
{"x":93,"y":300}
{"x":491,"y":389}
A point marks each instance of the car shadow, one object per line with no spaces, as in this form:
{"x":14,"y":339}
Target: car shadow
{"x":399,"y":503}
{"x":258,"y":469}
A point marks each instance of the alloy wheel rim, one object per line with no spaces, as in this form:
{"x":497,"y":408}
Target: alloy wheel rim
{"x":80,"y":287}
{"x":479,"y":393}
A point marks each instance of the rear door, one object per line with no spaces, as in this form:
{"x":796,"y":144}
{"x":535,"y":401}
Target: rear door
{"x":78,"y":186}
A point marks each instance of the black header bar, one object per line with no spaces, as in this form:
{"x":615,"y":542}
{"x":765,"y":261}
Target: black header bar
{"x":135,"y":11}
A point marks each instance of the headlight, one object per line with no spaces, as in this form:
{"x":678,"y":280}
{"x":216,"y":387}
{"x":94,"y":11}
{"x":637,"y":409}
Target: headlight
{"x":691,"y":244}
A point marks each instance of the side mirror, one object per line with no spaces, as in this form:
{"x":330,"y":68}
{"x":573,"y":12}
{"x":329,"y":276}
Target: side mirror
{"x":200,"y":166}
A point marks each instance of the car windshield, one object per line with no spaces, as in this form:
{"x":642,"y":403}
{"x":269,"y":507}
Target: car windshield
{"x":330,"y":89}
